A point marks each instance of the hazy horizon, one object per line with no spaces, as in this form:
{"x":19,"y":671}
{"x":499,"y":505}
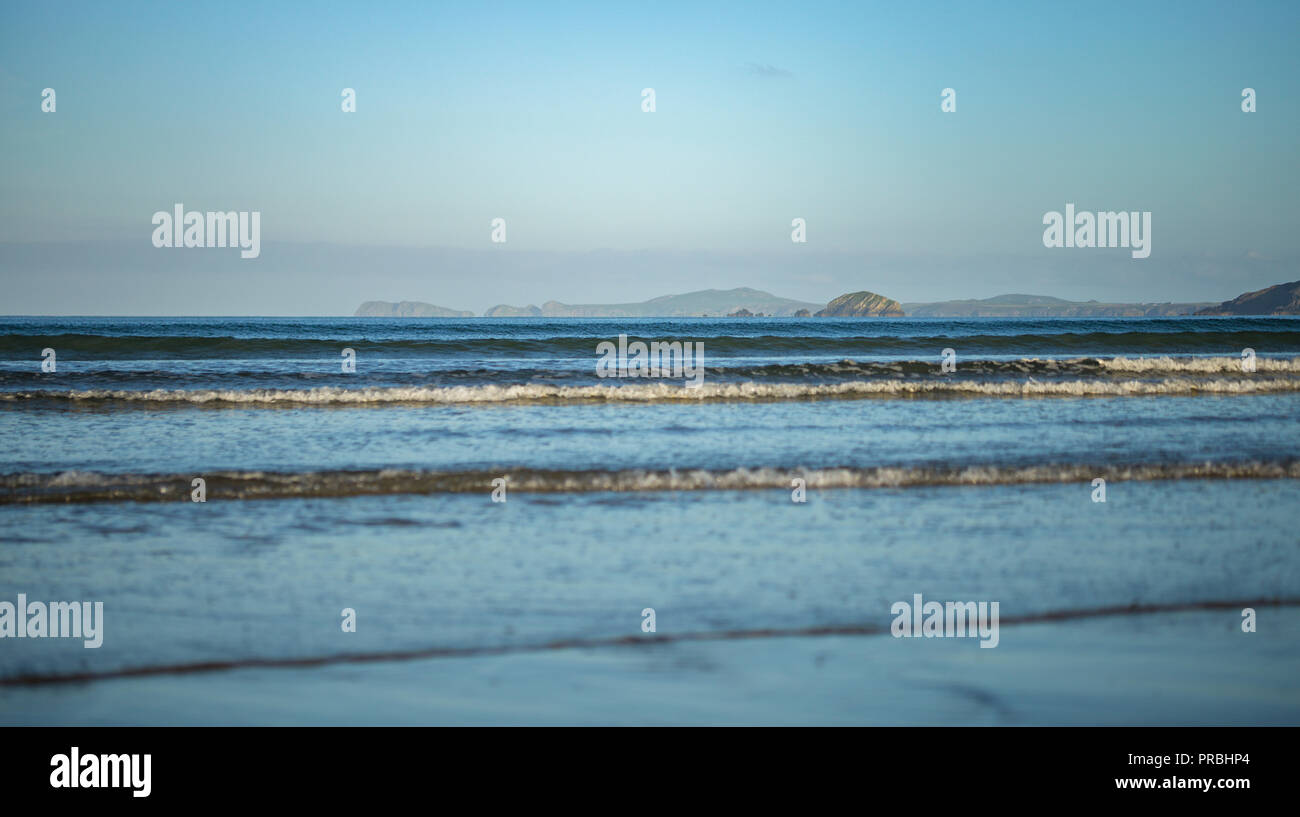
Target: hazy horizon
{"x":320,"y":279}
{"x":830,"y":113}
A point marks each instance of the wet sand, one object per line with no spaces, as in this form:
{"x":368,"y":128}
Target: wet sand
{"x":1166,"y":668}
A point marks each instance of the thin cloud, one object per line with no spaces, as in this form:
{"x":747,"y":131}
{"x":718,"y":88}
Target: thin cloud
{"x":767,"y":70}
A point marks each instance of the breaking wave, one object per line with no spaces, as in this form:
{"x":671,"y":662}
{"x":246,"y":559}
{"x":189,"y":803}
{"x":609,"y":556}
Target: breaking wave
{"x":87,"y":486}
{"x":672,"y":391}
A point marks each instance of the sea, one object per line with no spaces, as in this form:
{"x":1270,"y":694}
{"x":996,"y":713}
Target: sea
{"x":463,"y":521}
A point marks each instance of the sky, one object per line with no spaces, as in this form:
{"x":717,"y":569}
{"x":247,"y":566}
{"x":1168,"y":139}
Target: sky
{"x":532,"y":112}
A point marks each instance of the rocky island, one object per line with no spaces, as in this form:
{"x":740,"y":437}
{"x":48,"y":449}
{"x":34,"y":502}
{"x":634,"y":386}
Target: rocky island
{"x":862,"y":305}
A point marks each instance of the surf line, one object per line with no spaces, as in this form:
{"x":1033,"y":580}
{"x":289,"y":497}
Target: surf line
{"x":49,"y":679}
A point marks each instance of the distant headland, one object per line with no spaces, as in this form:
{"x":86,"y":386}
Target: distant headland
{"x":1280,"y":299}
{"x":1045,"y":306}
{"x":706,"y":303}
{"x":407,"y":309}
{"x":743,"y":302}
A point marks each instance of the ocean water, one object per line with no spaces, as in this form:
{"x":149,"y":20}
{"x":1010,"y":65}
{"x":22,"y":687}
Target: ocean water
{"x":373,"y":490}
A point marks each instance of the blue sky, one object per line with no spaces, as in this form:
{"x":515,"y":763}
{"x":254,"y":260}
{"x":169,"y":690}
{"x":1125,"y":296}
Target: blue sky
{"x":765,"y":112}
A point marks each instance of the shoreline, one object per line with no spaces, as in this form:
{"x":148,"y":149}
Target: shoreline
{"x":1184,"y":668}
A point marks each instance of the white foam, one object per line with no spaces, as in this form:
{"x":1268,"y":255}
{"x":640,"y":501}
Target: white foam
{"x":663,"y":392}
{"x":1207,"y":365}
